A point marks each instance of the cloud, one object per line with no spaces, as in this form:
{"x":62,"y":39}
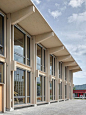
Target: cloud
{"x":76,"y":3}
{"x":56,"y":4}
{"x":37,"y":1}
{"x":81,"y":17}
{"x":78,"y":50}
{"x":55,"y":13}
{"x":81,"y":74}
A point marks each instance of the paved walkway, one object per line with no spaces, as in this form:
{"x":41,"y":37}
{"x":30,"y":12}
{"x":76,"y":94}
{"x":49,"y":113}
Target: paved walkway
{"x":72,"y":107}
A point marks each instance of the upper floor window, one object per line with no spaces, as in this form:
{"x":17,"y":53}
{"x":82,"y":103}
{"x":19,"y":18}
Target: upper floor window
{"x":28,"y":51}
{"x":60,"y":70}
{"x":1,"y":72}
{"x":65,"y":73}
{"x":51,"y":65}
{"x":40,"y":58}
{"x":19,"y":45}
{"x":1,"y":34}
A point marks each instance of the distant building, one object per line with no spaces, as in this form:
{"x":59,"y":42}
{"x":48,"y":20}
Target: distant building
{"x":78,"y":93}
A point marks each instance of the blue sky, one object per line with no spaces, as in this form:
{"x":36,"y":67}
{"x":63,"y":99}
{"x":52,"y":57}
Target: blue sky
{"x":68,"y":19}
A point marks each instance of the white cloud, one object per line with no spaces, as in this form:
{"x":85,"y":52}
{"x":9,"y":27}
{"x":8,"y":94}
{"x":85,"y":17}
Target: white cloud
{"x":37,"y":1}
{"x":56,"y":4}
{"x":77,"y":50}
{"x":81,"y":17}
{"x":76,"y":3}
{"x":55,"y":13}
{"x":81,"y":74}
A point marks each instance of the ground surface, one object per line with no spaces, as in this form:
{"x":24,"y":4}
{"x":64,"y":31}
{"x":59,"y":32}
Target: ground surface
{"x":72,"y":107}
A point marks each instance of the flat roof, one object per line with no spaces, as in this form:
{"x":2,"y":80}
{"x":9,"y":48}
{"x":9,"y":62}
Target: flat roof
{"x":35,"y":24}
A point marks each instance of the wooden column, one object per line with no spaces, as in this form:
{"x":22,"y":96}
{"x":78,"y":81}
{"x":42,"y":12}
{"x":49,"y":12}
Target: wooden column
{"x":67,"y":83}
{"x":71,"y":85}
{"x":63,"y":78}
{"x":47,"y":79}
{"x":33,"y":101}
{"x":8,"y":104}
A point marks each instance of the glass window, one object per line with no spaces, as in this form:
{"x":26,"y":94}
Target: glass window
{"x":28,"y":51}
{"x":28,"y":87}
{"x":60,"y":70}
{"x":65,"y":73}
{"x":51,"y":90}
{"x":19,"y":87}
{"x":65,"y":91}
{"x":44,"y":88}
{"x":44,"y":60}
{"x":19,"y":45}
{"x":54,"y":89}
{"x":39,"y":57}
{"x":51,"y":65}
{"x":1,"y":72}
{"x":54,"y":66}
{"x":39,"y":89}
{"x":60,"y":90}
{"x":1,"y":34}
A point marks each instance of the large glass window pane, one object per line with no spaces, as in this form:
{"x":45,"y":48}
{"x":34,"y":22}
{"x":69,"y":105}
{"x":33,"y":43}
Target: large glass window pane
{"x":51,"y":90}
{"x":65,"y":91}
{"x":44,"y":88}
{"x":54,"y":89}
{"x":65,"y":73}
{"x":28,"y":87}
{"x":60,"y":70}
{"x":54,"y":66}
{"x":1,"y":34}
{"x":51,"y":65}
{"x":44,"y":60}
{"x":19,"y":87}
{"x":39,"y":89}
{"x":39,"y":57}
{"x":28,"y":51}
{"x":19,"y":45}
{"x":1,"y":73}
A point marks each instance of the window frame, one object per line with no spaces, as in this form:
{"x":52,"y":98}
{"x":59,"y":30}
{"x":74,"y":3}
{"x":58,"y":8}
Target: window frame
{"x":24,"y":58}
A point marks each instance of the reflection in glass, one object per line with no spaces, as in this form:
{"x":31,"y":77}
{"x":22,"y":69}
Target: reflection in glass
{"x":65,"y":91}
{"x":65,"y":73}
{"x":54,"y":66}
{"x":44,"y":60}
{"x":51,"y":65}
{"x":1,"y":34}
{"x":39,"y":89}
{"x":39,"y":57}
{"x":60,"y":90}
{"x":60,"y":70}
{"x":19,"y":87}
{"x":19,"y":45}
{"x":28,"y":87}
{"x":1,"y":73}
{"x":44,"y":88}
{"x":54,"y":89}
{"x":28,"y":51}
{"x":51,"y":90}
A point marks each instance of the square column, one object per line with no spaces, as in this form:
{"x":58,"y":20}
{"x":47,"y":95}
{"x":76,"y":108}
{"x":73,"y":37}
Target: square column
{"x":67,"y":83}
{"x":63,"y":78}
{"x":8,"y":82}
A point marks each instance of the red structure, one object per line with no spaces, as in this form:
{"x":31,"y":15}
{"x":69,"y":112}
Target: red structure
{"x":79,"y":92}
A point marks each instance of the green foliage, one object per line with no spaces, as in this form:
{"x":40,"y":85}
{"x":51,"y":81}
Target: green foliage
{"x":74,"y":88}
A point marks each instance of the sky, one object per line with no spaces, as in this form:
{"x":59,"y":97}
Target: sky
{"x":68,"y":20}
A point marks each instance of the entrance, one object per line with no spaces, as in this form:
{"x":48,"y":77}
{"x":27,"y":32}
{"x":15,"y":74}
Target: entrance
{"x":0,"y":98}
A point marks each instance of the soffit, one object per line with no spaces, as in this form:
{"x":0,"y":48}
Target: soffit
{"x":52,"y":42}
{"x":10,"y":6}
{"x":35,"y":24}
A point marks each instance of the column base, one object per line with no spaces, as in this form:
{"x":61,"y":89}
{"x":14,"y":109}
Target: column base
{"x":35,"y":105}
{"x":11,"y":109}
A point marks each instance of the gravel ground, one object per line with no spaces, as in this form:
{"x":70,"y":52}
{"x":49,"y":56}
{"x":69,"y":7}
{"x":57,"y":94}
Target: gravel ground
{"x":70,"y":107}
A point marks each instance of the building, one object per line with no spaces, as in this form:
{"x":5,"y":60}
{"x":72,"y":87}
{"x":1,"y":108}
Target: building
{"x":35,"y":67}
{"x":79,"y":93}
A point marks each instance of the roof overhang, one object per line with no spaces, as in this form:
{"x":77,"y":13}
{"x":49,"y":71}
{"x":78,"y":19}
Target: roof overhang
{"x":30,"y":19}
